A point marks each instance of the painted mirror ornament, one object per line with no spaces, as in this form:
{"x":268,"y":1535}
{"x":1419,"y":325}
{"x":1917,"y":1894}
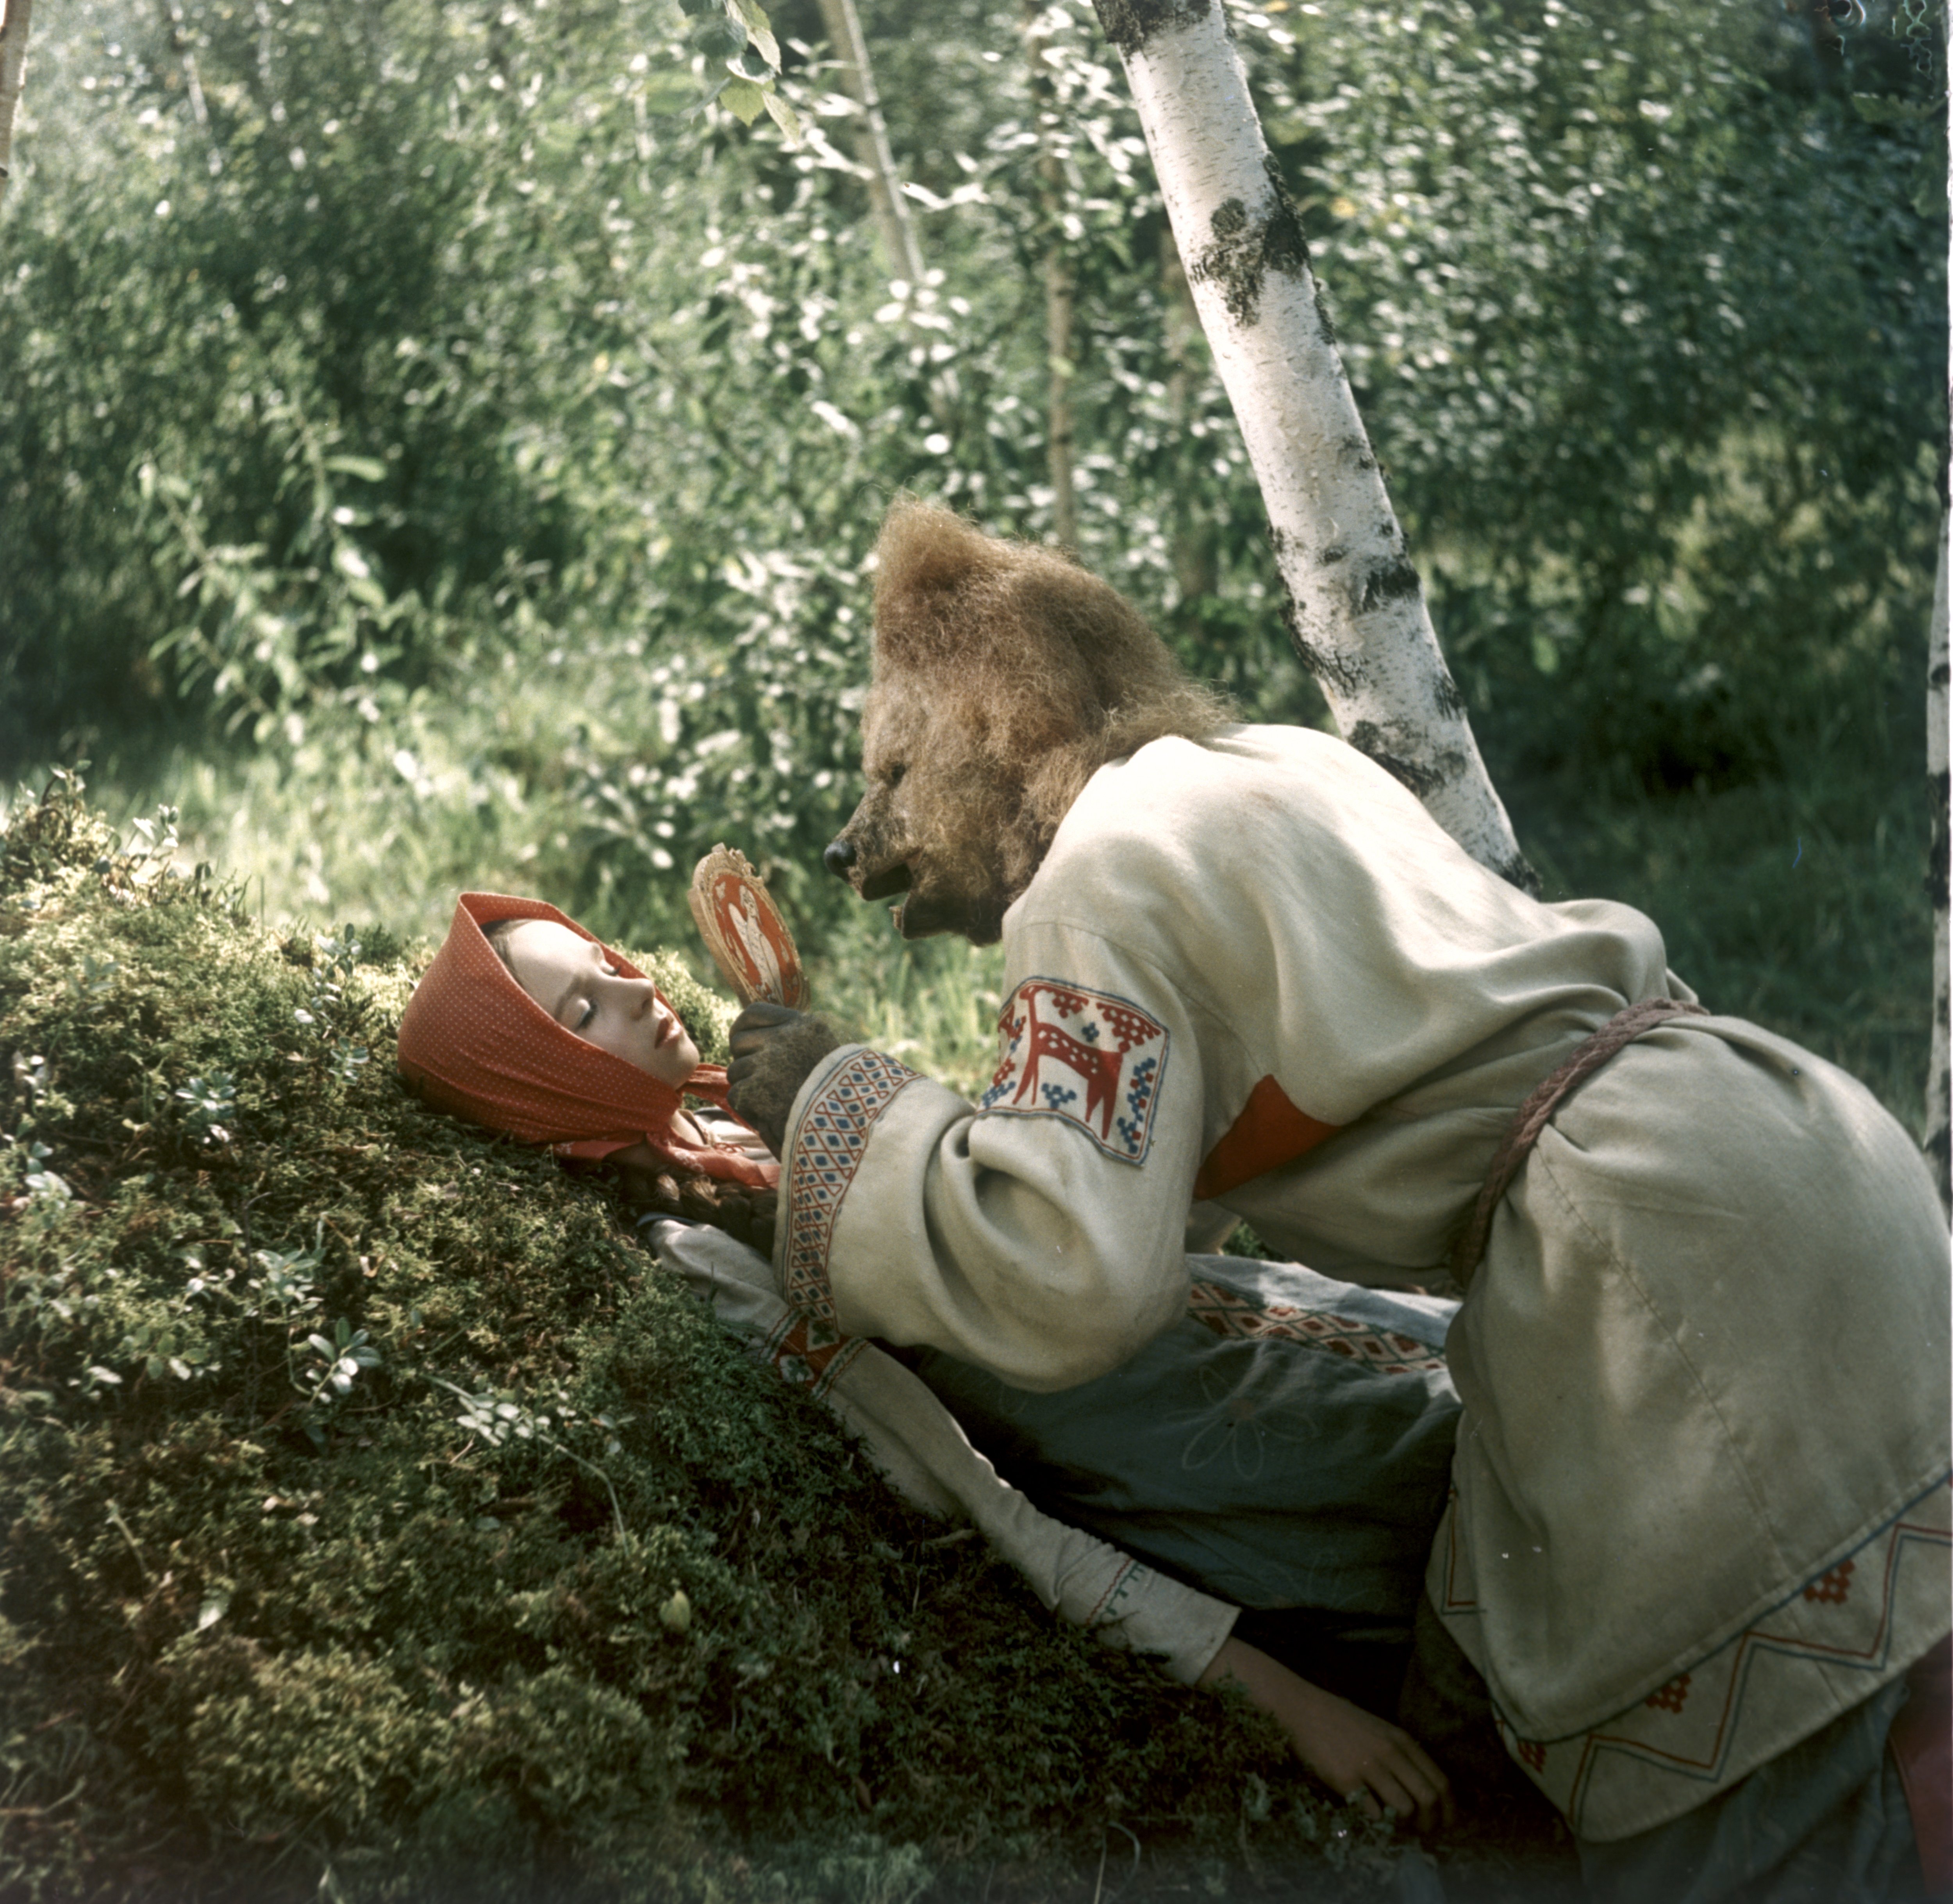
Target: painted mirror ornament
{"x":742,"y":930}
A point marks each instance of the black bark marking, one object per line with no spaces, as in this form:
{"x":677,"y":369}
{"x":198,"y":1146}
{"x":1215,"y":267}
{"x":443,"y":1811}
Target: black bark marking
{"x":1288,"y":245}
{"x":1517,"y":869}
{"x":1322,"y":316}
{"x":1355,"y":450}
{"x":1245,"y":249}
{"x":1367,"y":737}
{"x":1445,"y":696}
{"x":1393,"y":579}
{"x":1333,"y":670}
{"x":1939,"y":1156}
{"x":1283,"y":544}
{"x":1129,"y":24}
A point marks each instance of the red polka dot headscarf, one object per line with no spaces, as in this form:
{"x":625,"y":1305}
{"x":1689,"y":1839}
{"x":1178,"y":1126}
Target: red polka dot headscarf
{"x":474,"y":1043}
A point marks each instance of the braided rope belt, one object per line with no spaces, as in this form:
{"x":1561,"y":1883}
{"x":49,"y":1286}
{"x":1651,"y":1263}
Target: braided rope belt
{"x":1532,"y":1116}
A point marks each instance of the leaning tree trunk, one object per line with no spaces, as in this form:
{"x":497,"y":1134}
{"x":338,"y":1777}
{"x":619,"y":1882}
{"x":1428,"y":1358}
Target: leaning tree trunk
{"x":1355,"y":605}
{"x":13,"y":63}
{"x":1937,"y":1152}
{"x":871,"y":142}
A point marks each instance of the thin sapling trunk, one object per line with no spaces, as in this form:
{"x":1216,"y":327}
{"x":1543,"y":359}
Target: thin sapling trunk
{"x":892,"y":222}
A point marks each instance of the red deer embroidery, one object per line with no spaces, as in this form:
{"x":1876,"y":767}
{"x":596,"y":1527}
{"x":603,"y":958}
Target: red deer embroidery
{"x":1098,"y":1066}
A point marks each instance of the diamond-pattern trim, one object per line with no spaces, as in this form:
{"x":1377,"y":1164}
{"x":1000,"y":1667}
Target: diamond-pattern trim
{"x":827,"y":1151}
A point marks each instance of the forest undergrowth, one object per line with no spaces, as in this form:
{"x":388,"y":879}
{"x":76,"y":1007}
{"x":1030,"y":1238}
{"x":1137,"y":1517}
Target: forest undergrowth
{"x":382,"y":1523}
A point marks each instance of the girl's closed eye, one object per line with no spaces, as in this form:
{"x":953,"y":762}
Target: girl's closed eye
{"x":578,"y":987}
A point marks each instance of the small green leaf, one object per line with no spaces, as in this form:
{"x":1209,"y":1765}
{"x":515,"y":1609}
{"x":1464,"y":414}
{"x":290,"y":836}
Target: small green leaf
{"x":367,"y":469}
{"x":744,"y":100}
{"x":216,"y":1605}
{"x":783,"y":116}
{"x":719,"y":38}
{"x":754,"y":16}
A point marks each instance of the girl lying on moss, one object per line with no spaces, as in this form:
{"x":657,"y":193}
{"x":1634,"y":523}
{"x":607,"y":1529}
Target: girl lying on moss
{"x":1287,"y":1445}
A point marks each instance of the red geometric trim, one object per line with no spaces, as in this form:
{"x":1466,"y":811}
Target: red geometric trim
{"x":1749,"y":1643}
{"x":1754,"y":1642}
{"x":808,"y":1353}
{"x":826,"y":1152}
{"x":1454,"y":1602}
{"x":1230,"y":1313}
{"x":1122,"y":1583}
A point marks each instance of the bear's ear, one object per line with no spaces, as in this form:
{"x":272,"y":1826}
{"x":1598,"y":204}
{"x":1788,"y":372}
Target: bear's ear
{"x":926,"y":555}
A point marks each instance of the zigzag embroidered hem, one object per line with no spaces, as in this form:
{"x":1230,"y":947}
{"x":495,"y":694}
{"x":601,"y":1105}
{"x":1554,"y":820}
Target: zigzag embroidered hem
{"x":1827,"y":1645}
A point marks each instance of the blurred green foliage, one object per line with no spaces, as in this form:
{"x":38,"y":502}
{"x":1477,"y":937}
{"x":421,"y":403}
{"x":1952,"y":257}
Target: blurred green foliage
{"x":434,"y":450}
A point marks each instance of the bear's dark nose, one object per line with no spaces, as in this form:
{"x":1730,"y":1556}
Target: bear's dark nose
{"x":839,"y":857}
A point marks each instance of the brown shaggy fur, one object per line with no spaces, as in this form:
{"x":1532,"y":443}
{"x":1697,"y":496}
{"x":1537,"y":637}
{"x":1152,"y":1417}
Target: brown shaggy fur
{"x":1004,"y":677}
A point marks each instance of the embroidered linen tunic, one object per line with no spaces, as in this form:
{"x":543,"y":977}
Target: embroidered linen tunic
{"x":1701,"y":1495}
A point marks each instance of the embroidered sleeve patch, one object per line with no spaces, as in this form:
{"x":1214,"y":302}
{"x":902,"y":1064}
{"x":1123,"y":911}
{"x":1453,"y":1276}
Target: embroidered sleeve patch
{"x":1092,"y":1058}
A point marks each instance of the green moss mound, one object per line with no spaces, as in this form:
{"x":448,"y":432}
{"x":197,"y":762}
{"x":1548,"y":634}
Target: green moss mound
{"x":381,"y":1523}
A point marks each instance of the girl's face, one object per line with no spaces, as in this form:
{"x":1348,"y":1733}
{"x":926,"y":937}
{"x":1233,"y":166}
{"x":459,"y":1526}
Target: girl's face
{"x":577,"y":986}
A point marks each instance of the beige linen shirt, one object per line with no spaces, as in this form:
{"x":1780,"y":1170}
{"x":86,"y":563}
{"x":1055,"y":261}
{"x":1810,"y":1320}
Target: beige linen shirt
{"x":1704,"y":1361}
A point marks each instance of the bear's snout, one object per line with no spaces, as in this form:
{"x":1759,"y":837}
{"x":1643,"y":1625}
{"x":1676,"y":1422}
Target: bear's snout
{"x":840,"y":857}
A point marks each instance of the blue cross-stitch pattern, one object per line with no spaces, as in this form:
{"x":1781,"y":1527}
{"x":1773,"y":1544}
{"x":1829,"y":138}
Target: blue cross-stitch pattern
{"x":1056,"y":1095}
{"x":1140,"y":1089}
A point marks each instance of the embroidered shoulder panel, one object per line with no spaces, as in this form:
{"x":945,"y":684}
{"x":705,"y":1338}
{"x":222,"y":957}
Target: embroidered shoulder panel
{"x":1093,"y":1059}
{"x":827,"y":1149}
{"x":1232,"y":1311}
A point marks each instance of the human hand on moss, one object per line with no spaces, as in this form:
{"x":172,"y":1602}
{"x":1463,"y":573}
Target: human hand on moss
{"x":773,"y":1050}
{"x":1365,"y":1760}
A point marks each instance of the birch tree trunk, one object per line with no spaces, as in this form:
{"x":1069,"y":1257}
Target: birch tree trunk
{"x":1355,"y":607}
{"x":1938,"y":1153}
{"x":1060,"y":289}
{"x":13,"y":64}
{"x":892,"y":222}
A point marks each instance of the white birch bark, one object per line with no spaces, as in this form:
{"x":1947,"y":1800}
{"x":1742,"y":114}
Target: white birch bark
{"x":892,"y":222}
{"x":1937,"y":1152}
{"x":13,"y":73}
{"x":1356,"y":605}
